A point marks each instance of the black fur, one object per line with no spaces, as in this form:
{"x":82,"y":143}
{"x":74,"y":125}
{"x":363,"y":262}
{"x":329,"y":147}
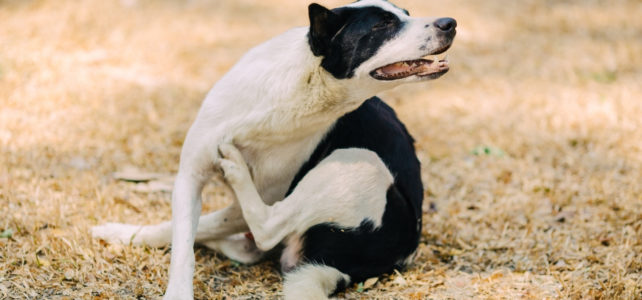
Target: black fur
{"x":347,"y":36}
{"x":342,"y":284}
{"x":364,"y":252}
{"x":324,"y":24}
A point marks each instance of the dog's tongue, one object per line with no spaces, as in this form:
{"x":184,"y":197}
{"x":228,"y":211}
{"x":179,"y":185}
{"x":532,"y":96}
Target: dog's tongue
{"x":396,"y":68}
{"x":414,"y":67}
{"x":419,"y":67}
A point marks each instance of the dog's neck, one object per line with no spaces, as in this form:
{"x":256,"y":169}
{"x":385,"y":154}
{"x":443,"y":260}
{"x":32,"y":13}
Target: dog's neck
{"x":286,"y":99}
{"x":279,"y":93}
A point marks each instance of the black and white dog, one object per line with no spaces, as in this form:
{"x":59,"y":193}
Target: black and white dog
{"x":317,"y":163}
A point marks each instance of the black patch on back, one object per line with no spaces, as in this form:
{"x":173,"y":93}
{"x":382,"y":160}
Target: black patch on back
{"x":348,"y":36}
{"x":363,"y":252}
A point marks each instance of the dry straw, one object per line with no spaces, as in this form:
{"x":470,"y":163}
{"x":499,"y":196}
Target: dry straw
{"x":531,"y":146}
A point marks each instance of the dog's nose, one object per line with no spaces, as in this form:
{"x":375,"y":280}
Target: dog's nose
{"x":446,"y":24}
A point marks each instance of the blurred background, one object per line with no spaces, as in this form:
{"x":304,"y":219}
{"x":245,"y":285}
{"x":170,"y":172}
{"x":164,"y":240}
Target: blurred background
{"x":531,"y":145}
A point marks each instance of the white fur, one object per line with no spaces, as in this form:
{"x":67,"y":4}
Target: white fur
{"x":345,"y":188}
{"x":276,"y":104}
{"x":237,"y":247}
{"x":215,"y":225}
{"x":291,"y":256}
{"x":312,"y":282}
{"x":385,"y":5}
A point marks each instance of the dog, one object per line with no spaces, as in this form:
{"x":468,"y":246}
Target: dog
{"x":318,"y":164}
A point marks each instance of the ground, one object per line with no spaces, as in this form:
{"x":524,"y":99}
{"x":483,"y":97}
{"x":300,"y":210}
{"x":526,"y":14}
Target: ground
{"x":531,"y":146}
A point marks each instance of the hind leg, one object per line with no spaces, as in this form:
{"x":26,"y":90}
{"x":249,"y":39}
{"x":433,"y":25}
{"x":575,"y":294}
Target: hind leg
{"x":217,"y":230}
{"x":221,"y":231}
{"x":345,"y":188}
{"x":215,"y":225}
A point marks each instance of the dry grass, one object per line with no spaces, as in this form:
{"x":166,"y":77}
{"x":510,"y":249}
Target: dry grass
{"x":550,"y":88}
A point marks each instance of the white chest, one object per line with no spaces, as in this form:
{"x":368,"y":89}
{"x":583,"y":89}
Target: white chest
{"x":274,"y":167}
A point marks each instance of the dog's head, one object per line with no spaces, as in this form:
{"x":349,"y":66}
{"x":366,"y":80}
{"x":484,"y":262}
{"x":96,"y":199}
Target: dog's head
{"x":376,"y":42}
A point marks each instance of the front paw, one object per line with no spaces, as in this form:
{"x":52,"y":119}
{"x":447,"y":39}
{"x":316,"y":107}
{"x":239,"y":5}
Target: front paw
{"x":183,"y":293}
{"x":233,"y":165}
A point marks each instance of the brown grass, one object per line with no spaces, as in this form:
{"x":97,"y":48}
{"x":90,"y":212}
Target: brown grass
{"x":550,"y":89}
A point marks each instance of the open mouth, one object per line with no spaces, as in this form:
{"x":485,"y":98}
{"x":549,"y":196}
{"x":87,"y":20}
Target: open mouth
{"x":429,"y":67}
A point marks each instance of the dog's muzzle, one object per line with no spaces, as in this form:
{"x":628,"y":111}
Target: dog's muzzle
{"x":426,"y":67}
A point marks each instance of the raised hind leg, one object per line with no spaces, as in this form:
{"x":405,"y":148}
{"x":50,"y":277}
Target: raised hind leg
{"x":346,"y":188}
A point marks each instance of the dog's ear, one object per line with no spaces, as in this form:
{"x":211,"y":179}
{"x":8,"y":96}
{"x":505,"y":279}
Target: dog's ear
{"x":324,"y":24}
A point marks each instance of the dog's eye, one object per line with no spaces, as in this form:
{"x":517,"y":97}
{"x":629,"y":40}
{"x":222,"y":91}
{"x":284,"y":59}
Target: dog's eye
{"x":384,"y":24}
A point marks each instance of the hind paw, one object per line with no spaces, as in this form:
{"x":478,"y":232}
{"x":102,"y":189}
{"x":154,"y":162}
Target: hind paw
{"x":233,"y":165}
{"x":237,"y":247}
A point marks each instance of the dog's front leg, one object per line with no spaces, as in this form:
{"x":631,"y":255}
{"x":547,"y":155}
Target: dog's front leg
{"x":186,"y":208}
{"x":196,"y":167}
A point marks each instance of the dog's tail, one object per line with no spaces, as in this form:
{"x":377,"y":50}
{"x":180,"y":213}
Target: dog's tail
{"x":314,"y":282}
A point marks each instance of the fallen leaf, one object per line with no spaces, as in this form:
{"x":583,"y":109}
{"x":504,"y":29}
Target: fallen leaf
{"x":42,"y":262}
{"x":133,"y":174}
{"x":370,"y":282}
{"x":56,"y":232}
{"x":360,"y":287}
{"x":488,"y":151}
{"x":438,"y":283}
{"x":496,"y":275}
{"x":399,"y":279}
{"x":69,"y":274}
{"x":79,"y":163}
{"x":155,"y":186}
{"x":7,"y":233}
{"x":122,"y":201}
